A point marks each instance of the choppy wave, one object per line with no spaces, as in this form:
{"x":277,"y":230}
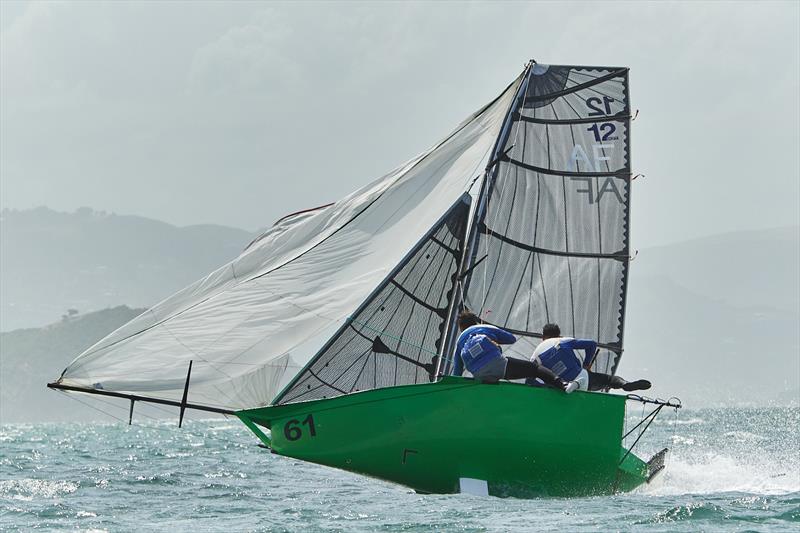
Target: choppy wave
{"x":734,"y":470}
{"x":28,"y":489}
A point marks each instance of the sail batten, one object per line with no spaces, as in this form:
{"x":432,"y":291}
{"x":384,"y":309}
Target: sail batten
{"x":591,"y":173}
{"x":588,"y":120}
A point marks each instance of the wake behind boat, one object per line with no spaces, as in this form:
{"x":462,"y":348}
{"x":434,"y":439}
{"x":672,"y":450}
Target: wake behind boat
{"x":335,"y":329}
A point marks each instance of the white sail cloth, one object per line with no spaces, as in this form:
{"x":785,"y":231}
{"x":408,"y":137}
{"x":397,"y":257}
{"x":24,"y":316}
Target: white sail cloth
{"x":250,"y":326}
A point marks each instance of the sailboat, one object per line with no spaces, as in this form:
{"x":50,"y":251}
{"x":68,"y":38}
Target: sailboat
{"x":331,"y":336}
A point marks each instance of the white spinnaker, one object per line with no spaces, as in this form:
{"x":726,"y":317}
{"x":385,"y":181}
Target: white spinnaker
{"x":252,"y":324}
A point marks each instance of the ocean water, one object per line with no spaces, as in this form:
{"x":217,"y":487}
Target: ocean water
{"x":729,"y":470}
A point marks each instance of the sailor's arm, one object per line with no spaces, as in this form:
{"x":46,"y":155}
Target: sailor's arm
{"x":499,"y":335}
{"x":458,"y":365}
{"x":589,"y":347}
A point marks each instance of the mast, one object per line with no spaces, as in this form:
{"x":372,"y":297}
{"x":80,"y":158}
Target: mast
{"x":468,"y":260}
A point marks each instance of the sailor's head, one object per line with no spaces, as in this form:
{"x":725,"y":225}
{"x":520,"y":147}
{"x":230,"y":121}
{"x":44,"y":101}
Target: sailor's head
{"x":466,"y":319}
{"x":550,"y":330}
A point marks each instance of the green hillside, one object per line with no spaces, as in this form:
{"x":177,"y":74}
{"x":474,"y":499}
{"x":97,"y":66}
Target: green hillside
{"x":29,"y":358}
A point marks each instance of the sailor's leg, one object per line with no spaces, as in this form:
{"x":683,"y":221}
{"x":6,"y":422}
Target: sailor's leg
{"x":582,"y":380}
{"x":599,"y":381}
{"x":491,"y":372}
{"x":518,"y":369}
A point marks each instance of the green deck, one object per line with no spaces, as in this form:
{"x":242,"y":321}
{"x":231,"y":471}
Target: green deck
{"x":524,"y":441}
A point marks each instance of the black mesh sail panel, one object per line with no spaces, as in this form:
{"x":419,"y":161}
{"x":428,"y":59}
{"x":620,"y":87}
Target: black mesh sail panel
{"x":552,"y":240}
{"x":394,"y":335}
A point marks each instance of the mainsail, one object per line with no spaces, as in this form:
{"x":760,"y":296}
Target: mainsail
{"x":251,"y":326}
{"x":551,"y":239}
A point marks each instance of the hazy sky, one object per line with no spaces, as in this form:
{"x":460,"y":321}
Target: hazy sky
{"x":236,"y":114}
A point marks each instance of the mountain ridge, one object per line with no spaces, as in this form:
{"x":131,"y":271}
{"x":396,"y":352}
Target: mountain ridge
{"x":89,"y":260}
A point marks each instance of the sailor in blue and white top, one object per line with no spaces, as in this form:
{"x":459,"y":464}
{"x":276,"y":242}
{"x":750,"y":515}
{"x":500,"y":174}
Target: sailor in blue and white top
{"x":563,"y":356}
{"x":571,"y":359}
{"x":478,"y":350}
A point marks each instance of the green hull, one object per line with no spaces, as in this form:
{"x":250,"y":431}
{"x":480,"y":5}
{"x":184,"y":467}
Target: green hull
{"x":523,"y":441}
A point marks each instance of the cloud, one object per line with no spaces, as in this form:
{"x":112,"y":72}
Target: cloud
{"x":246,"y":59}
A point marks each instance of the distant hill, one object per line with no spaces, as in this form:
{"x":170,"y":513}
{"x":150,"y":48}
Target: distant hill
{"x":744,"y":269}
{"x":717,"y":320}
{"x":29,"y":358}
{"x":89,"y":260}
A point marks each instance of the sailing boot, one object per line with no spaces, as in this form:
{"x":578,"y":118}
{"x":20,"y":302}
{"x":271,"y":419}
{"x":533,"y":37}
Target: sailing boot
{"x":639,"y":384}
{"x":616,"y":382}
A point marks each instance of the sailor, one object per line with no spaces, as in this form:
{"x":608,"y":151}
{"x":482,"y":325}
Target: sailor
{"x":478,"y":349}
{"x":562,"y":355}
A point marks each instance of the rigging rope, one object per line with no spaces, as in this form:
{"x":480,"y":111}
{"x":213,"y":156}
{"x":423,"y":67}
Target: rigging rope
{"x":652,"y":416}
{"x":673,"y":402}
{"x":170,"y":430}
